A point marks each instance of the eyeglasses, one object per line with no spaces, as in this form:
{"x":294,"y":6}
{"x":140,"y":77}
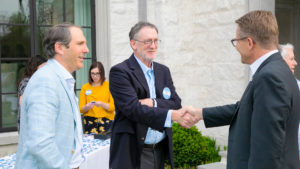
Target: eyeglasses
{"x":150,"y":41}
{"x":234,"y":41}
{"x":95,"y":74}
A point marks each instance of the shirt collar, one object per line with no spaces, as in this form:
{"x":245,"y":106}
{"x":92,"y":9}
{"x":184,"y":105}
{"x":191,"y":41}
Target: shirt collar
{"x":143,"y":66}
{"x":255,"y":65}
{"x":64,"y":73}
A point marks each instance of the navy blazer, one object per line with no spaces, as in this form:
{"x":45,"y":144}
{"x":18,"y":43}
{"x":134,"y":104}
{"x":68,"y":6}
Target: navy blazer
{"x":127,"y":85}
{"x":264,"y":123}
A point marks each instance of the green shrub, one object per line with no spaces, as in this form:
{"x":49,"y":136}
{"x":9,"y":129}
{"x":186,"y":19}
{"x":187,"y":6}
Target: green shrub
{"x":192,"y":149}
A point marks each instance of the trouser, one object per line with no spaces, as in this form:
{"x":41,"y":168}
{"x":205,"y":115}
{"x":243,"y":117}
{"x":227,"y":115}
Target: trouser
{"x":152,"y":156}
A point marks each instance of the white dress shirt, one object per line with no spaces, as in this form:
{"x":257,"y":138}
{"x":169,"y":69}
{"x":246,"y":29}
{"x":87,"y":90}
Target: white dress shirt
{"x":255,"y":65}
{"x":78,"y":156}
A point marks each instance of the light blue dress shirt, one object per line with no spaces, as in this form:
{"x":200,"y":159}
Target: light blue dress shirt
{"x":153,"y":136}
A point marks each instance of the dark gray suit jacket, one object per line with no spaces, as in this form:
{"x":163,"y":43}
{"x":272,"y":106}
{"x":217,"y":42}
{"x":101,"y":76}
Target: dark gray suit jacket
{"x":264,"y":123}
{"x":127,"y":85}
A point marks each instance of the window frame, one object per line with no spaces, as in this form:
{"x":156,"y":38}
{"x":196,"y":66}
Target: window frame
{"x":33,"y":27}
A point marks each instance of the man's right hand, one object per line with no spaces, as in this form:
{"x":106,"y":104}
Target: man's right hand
{"x":194,"y":111}
{"x":184,"y":118}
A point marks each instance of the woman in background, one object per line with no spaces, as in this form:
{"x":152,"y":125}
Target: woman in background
{"x":33,"y":64}
{"x":96,"y":102}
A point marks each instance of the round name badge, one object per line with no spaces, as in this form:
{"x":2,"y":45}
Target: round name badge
{"x":88,"y":92}
{"x":166,"y":93}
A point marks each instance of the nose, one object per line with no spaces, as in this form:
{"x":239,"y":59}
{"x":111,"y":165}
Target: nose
{"x":153,"y":46}
{"x":86,"y":49}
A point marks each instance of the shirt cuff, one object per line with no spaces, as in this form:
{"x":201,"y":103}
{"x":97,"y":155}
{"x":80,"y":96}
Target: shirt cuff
{"x":168,"y":122}
{"x":155,"y":103}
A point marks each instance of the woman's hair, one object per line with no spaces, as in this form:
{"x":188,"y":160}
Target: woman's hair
{"x":101,"y":71}
{"x":32,"y":65}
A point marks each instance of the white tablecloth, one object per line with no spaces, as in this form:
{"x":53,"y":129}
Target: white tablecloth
{"x":96,"y":153}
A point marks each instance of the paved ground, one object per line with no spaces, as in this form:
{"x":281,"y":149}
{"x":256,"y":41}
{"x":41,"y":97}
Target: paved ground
{"x":218,"y":165}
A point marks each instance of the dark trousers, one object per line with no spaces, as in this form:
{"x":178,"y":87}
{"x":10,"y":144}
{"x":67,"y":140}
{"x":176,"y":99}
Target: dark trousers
{"x":152,"y":157}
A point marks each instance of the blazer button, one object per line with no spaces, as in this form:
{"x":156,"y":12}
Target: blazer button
{"x":143,"y":138}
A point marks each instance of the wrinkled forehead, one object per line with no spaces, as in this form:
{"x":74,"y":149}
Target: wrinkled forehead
{"x":147,"y":33}
{"x":290,"y":53}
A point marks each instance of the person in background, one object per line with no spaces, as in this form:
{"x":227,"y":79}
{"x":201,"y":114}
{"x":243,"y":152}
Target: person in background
{"x":95,"y":101}
{"x":33,"y":64}
{"x":287,"y":52}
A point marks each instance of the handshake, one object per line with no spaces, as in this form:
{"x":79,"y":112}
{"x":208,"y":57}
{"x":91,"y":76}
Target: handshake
{"x":187,"y":116}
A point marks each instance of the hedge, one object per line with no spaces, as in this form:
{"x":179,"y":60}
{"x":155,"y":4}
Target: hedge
{"x":192,"y":149}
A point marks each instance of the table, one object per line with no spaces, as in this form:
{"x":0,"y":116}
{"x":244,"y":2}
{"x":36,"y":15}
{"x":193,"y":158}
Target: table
{"x":96,"y":153}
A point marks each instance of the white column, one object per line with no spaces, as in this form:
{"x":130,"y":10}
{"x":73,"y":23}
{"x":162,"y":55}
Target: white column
{"x":142,"y":10}
{"x":268,"y":5}
{"x":103,"y":34}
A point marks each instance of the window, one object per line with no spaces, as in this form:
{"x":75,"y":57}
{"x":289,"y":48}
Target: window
{"x":23,"y":24}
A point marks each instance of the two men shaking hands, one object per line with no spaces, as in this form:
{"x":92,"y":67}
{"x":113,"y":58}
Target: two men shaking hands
{"x":187,"y":116}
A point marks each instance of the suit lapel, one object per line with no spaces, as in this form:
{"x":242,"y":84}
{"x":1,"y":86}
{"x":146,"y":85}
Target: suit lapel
{"x":273,"y":57}
{"x":138,"y":73}
{"x":158,"y":78}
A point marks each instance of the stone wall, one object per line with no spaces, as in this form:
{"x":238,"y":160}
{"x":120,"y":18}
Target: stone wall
{"x":196,"y":46}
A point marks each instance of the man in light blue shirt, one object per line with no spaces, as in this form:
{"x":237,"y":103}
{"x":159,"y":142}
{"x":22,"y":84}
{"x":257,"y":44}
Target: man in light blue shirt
{"x":51,"y":129}
{"x":146,"y":103}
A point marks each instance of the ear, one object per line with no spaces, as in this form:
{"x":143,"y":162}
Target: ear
{"x":58,"y":47}
{"x":133,"y":44}
{"x":251,"y":42}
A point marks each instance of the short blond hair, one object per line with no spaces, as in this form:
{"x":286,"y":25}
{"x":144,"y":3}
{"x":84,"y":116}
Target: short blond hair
{"x":261,"y":26}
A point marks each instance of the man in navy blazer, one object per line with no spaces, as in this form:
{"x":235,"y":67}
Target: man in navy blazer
{"x":264,"y":123}
{"x":145,"y":100}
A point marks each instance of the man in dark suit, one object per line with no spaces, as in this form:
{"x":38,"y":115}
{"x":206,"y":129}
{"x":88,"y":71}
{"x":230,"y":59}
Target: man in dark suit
{"x":264,"y":123}
{"x":145,"y":100}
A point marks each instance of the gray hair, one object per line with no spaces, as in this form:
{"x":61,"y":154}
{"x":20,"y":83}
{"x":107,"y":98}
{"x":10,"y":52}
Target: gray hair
{"x":57,"y":33}
{"x":133,"y":34}
{"x":283,"y":49}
